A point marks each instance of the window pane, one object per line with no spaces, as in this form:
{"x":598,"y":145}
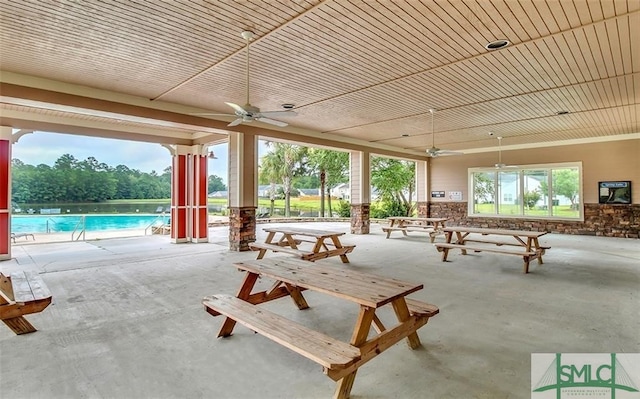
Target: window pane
{"x":565,"y":190}
{"x":536,"y":192}
{"x":484,"y":190}
{"x":509,"y":193}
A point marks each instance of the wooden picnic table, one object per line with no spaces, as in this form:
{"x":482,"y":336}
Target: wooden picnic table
{"x":527,"y":243}
{"x":323,"y":243}
{"x":340,"y":360}
{"x":433,"y":226}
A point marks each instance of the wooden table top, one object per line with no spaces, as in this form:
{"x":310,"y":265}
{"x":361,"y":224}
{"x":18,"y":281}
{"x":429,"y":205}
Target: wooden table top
{"x":503,"y":232}
{"x":303,"y":232}
{"x":363,"y":288}
{"x":417,"y":219}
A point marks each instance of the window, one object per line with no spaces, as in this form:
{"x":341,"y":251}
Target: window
{"x":538,"y":191}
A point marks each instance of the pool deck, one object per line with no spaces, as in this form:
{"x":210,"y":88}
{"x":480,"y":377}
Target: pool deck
{"x":127,"y":321}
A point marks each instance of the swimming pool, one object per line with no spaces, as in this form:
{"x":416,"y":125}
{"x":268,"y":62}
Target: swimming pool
{"x":64,"y":223}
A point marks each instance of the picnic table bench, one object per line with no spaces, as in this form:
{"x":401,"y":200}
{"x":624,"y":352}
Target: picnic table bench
{"x":526,"y":242}
{"x":325,"y":243}
{"x":432,"y":226}
{"x":22,"y":293}
{"x":340,"y":360}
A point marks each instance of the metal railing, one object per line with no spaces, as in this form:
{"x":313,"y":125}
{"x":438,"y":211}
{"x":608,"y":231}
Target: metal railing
{"x":153,"y":226}
{"x":49,"y":225}
{"x":81,"y":224}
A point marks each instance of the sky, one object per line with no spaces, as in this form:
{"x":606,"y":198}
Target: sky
{"x":45,"y":148}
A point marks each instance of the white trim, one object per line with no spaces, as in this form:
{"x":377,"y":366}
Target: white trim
{"x":550,"y":166}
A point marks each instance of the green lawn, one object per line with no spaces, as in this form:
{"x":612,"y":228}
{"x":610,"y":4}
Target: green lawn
{"x":564,"y":211}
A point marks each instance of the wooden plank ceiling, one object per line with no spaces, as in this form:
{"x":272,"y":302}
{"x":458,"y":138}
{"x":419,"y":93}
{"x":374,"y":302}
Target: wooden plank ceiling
{"x":363,"y":70}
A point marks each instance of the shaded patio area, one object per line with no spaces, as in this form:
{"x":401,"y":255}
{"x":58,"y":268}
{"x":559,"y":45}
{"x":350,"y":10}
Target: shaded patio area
{"x":127,"y":321}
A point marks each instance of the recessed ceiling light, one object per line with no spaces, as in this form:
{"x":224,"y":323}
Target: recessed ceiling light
{"x":497,"y":44}
{"x":562,"y":112}
{"x":288,"y":106}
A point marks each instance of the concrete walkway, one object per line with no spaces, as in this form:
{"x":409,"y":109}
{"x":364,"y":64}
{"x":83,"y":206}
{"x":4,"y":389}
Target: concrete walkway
{"x":126,"y":320}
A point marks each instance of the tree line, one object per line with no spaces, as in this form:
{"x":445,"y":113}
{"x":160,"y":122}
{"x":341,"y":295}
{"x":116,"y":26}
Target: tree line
{"x":71,"y":180}
{"x":290,"y":166}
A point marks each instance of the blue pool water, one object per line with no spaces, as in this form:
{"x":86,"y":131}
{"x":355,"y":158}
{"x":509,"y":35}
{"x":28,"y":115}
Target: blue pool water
{"x":63,"y":223}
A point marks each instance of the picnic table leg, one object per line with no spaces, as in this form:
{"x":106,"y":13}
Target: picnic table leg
{"x":539,"y":250}
{"x":244,"y":292}
{"x":402,"y":312}
{"x":359,"y":337}
{"x":527,"y":259}
{"x":460,"y":240}
{"x":338,"y":245}
{"x":297,"y":297}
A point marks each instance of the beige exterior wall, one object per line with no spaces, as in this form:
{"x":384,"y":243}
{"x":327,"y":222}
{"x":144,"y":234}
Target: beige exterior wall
{"x":616,"y":160}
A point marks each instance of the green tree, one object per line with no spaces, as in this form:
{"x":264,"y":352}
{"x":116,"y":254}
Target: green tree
{"x":331,"y":166}
{"x":531,"y":198}
{"x":284,"y":161}
{"x":216,"y":184}
{"x":565,"y":182}
{"x":395,"y":182}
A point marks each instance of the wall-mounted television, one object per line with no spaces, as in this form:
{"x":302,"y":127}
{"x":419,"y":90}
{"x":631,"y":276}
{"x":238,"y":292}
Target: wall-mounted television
{"x":615,"y":192}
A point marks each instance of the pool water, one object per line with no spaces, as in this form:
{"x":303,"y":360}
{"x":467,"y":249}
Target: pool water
{"x":64,"y":223}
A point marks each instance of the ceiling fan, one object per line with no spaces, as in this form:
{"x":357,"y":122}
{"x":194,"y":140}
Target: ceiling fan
{"x":501,"y":165}
{"x":249,"y":113}
{"x":435,"y":151}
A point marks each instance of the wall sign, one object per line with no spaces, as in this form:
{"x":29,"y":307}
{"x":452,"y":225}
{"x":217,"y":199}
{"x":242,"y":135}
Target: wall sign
{"x":455,"y":195}
{"x":437,"y":194}
{"x":614,"y":192}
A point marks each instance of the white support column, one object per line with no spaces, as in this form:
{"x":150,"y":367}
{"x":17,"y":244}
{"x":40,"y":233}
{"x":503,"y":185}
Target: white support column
{"x":360,"y":172}
{"x":243,"y":190}
{"x":422,"y":188}
{"x":5,"y":192}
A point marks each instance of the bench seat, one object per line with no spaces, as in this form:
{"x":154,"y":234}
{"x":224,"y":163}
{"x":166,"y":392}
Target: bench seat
{"x":526,"y":256}
{"x":322,"y":349}
{"x":416,"y":229}
{"x":422,"y":309}
{"x":22,"y":293}
{"x":300,"y":253}
{"x":263,"y":247}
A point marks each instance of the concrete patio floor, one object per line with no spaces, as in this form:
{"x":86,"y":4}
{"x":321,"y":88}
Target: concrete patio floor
{"x":127,"y":321}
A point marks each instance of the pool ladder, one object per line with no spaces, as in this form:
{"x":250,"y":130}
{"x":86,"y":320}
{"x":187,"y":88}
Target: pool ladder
{"x":82,"y":226}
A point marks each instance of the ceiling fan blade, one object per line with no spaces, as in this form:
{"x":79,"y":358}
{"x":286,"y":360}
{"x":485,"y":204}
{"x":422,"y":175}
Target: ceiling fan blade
{"x":209,"y":114}
{"x":236,"y":122}
{"x":447,"y":152}
{"x":272,"y":121}
{"x":237,"y":108}
{"x":279,"y":113}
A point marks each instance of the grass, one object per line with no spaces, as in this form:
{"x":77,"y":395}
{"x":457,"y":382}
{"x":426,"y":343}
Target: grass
{"x":564,"y":211}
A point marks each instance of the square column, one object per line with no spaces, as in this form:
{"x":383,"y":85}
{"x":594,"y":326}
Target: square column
{"x":243,"y":190}
{"x":422,"y":189}
{"x":5,"y":192}
{"x":189,"y":216}
{"x":360,"y":169}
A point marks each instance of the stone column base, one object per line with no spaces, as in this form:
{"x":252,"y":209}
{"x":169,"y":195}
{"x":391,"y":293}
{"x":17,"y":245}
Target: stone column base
{"x":360,"y":223}
{"x":242,"y":228}
{"x":423,"y":209}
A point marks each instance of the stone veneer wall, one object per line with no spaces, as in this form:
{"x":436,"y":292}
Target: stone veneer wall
{"x":422,"y":207}
{"x":599,"y":220}
{"x":360,"y":223}
{"x":242,"y":228}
